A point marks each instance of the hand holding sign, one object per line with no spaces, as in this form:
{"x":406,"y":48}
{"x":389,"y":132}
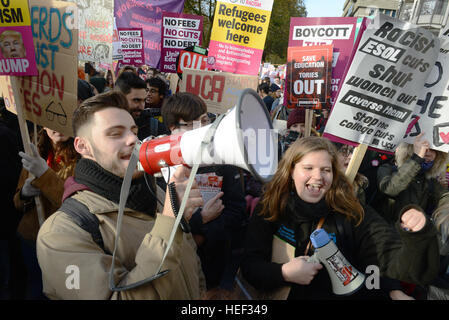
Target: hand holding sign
{"x":420,"y":145}
{"x":34,"y":164}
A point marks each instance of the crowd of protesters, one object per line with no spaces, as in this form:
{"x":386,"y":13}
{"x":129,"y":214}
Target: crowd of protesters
{"x":394,"y":215}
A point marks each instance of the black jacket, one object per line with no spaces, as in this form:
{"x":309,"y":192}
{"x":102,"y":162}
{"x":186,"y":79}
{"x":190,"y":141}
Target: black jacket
{"x":149,"y":126}
{"x":408,"y":184}
{"x":407,"y":256}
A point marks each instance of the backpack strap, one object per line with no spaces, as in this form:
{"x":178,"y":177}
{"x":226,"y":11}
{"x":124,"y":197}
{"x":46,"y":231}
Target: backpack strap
{"x":81,"y":215}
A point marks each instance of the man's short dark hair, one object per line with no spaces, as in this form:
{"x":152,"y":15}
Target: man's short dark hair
{"x":129,"y":80}
{"x":157,"y":83}
{"x":264,"y":87}
{"x":84,"y":113}
{"x":182,"y":105}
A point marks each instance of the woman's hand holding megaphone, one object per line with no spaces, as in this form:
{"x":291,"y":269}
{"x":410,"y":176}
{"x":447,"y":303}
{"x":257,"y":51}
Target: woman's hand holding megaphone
{"x":299,"y":271}
{"x":180,"y":178}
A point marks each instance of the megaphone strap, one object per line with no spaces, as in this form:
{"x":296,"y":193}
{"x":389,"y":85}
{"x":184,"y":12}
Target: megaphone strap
{"x":124,"y":191}
{"x":320,"y":224}
{"x":124,"y":196}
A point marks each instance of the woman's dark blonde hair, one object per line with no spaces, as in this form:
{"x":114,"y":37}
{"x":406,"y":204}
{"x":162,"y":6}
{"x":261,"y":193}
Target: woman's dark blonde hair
{"x":340,"y":197}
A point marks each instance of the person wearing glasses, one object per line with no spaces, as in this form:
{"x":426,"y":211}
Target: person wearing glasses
{"x":218,"y":227}
{"x":360,"y":184}
{"x":344,"y":156}
{"x":156,"y":92}
{"x":135,"y":91}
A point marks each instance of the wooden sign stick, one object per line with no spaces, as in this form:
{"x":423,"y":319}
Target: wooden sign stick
{"x":26,"y":140}
{"x":356,"y":160}
{"x":308,"y":124}
{"x":174,"y":78}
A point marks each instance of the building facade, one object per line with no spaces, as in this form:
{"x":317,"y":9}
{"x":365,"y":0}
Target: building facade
{"x":364,"y":8}
{"x":429,"y":14}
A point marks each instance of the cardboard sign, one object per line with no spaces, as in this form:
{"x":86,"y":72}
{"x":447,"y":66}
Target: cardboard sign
{"x":220,"y":90}
{"x":388,"y":72}
{"x":95,"y":30}
{"x":131,"y":47}
{"x":431,"y":116}
{"x":238,"y":35}
{"x":16,"y":41}
{"x":309,"y":76}
{"x":50,"y":98}
{"x":179,"y":31}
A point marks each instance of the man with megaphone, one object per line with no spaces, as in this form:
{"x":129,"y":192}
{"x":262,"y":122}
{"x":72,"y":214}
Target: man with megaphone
{"x":75,"y":263}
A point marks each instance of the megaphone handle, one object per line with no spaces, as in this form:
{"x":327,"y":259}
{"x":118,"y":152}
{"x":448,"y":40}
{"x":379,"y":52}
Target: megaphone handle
{"x":314,"y":258}
{"x":175,"y":206}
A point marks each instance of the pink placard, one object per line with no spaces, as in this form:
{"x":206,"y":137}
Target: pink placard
{"x":179,"y":31}
{"x":234,"y":58}
{"x":17,"y":51}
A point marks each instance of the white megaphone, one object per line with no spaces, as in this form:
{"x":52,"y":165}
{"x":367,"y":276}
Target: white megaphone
{"x":345,"y":279}
{"x":243,"y":137}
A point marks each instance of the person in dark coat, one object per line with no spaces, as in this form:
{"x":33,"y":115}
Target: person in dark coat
{"x":413,"y":179}
{"x":264,"y":93}
{"x":218,"y":227}
{"x":12,"y":268}
{"x":307,"y":190}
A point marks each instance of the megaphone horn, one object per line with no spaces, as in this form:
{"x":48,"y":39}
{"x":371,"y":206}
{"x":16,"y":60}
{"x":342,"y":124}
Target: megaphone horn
{"x":345,"y":279}
{"x":243,"y":137}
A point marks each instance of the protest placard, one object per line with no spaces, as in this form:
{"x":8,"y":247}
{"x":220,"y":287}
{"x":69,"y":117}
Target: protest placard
{"x":148,"y":16}
{"x":131,"y":47}
{"x":95,"y":30}
{"x":192,"y":58}
{"x":431,"y":116}
{"x":308,"y":81}
{"x":16,"y":41}
{"x":238,"y":35}
{"x":50,"y":97}
{"x":341,"y":32}
{"x":219,"y":90}
{"x":115,"y":44}
{"x":381,"y":88}
{"x":179,"y":31}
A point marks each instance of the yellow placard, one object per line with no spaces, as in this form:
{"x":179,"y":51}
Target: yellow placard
{"x":14,"y":13}
{"x":240,"y":25}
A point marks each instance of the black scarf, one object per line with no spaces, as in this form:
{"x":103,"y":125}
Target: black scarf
{"x":301,"y":211}
{"x":108,"y":185}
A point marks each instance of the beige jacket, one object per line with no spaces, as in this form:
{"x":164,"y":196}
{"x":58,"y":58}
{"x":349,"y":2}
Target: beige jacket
{"x":63,"y":247}
{"x":51,"y":185}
